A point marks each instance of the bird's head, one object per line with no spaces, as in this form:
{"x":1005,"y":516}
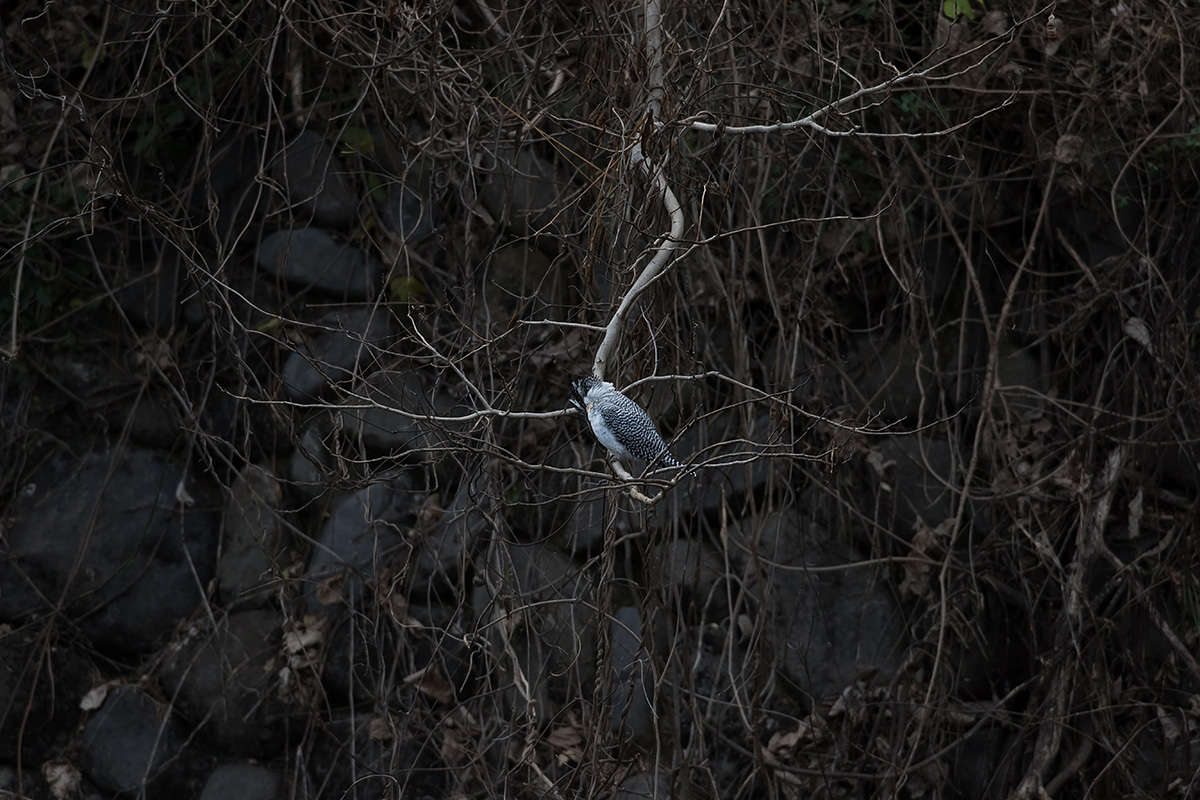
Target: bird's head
{"x":579,"y":392}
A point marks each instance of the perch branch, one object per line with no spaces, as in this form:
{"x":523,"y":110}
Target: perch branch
{"x":663,"y":249}
{"x":652,"y":18}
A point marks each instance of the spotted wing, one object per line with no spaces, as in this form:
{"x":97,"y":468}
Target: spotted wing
{"x":634,"y":429}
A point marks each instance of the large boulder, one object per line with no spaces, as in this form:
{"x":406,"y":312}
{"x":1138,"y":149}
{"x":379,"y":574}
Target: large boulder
{"x":122,"y":540}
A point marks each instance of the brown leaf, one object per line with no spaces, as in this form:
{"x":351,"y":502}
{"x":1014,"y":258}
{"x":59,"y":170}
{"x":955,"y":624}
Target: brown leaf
{"x":916,"y":573}
{"x":329,"y":591}
{"x":567,"y":743}
{"x":379,"y":729}
{"x":430,"y":682}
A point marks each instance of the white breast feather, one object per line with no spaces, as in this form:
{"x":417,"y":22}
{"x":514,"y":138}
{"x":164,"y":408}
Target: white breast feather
{"x":604,"y":434}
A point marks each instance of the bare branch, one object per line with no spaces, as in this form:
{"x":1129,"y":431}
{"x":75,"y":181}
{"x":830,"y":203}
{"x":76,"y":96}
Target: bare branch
{"x":660,"y":261}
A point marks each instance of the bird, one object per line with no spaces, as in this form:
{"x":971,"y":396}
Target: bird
{"x":620,"y":424}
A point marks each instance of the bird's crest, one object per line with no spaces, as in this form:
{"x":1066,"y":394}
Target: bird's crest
{"x":579,"y":390}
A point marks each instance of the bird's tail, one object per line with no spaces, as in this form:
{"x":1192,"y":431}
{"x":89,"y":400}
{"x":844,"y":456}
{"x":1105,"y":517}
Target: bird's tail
{"x":664,"y":461}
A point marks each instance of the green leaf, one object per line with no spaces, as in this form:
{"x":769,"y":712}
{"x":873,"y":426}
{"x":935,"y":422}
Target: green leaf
{"x":406,"y":289}
{"x":377,"y":188}
{"x":958,"y":8}
{"x":358,"y":140}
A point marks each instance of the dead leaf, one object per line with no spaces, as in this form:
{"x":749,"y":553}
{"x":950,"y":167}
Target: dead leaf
{"x":565,"y":736}
{"x":308,"y":634}
{"x":877,"y":462}
{"x":379,"y":730}
{"x":1137,"y":329}
{"x":924,"y":541}
{"x":431,"y":683}
{"x":329,"y":591}
{"x":454,"y":751}
{"x":182,"y":497}
{"x":62,"y":778}
{"x":785,"y":742}
{"x":1068,"y":149}
{"x":1170,"y":727}
{"x":567,"y":743}
{"x":95,"y":697}
{"x":397,"y":607}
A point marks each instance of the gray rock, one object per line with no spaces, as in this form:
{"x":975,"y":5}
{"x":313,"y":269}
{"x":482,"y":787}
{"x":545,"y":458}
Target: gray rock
{"x":383,"y":430}
{"x":365,"y":530}
{"x":233,"y":186}
{"x":555,"y":638}
{"x":523,"y":191}
{"x":1092,"y":226}
{"x":698,"y":570}
{"x":153,"y":422}
{"x":149,"y":295}
{"x":108,"y":536}
{"x":739,"y":466}
{"x":370,"y":660}
{"x":520,"y":280}
{"x":342,"y":347}
{"x":226,"y":682}
{"x":903,"y":381}
{"x":311,"y":258}
{"x":1020,"y":394}
{"x":309,"y":464}
{"x":445,"y":552}
{"x":916,"y":477}
{"x":254,"y":545}
{"x":89,"y":373}
{"x":129,"y":741}
{"x":354,"y":667}
{"x":645,"y":786}
{"x":243,"y":782}
{"x":632,"y":681}
{"x":721,"y":666}
{"x":410,"y":210}
{"x":896,"y":384}
{"x":408,"y":213}
{"x":398,"y":152}
{"x":41,"y":721}
{"x":314,"y":179}
{"x":572,"y":510}
{"x":349,"y":758}
{"x":997,"y":656}
{"x":987,"y":765}
{"x":1163,"y":753}
{"x":940,"y":262}
{"x":826,"y":628}
{"x":582,"y":532}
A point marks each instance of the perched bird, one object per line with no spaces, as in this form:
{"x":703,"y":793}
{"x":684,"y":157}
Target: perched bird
{"x":620,"y":424}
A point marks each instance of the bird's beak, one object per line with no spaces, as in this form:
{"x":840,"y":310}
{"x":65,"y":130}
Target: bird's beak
{"x":576,"y":398}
